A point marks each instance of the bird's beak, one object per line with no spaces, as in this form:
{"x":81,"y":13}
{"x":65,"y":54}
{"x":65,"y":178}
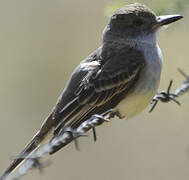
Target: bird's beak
{"x":167,"y":19}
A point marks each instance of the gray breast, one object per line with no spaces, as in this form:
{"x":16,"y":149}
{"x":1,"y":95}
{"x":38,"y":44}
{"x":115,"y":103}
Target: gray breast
{"x":147,"y":85}
{"x":150,"y":75}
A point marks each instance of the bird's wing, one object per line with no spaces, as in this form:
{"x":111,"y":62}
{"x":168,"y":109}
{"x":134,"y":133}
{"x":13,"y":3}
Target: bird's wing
{"x":96,"y":85}
{"x":96,"y":82}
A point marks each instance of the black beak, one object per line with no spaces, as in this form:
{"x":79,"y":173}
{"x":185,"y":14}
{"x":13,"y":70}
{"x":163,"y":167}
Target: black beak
{"x":167,"y":19}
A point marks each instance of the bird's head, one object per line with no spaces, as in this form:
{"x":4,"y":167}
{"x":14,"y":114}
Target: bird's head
{"x":136,"y":20}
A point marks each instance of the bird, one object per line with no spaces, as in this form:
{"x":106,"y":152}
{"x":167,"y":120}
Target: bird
{"x":122,"y":74}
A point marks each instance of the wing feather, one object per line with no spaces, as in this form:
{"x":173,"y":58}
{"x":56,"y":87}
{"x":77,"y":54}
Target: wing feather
{"x":110,"y":77}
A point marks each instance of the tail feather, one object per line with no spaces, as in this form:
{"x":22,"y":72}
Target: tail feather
{"x":32,"y":145}
{"x":27,"y":150}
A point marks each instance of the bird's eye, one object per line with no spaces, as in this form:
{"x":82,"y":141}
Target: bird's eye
{"x":138,"y":22}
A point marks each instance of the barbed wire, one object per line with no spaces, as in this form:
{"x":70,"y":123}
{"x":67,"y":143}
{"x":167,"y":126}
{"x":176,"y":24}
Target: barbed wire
{"x":67,"y":135}
{"x":167,"y":96}
{"x":34,"y":160}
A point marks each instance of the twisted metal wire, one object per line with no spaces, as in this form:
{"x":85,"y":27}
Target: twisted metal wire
{"x":68,"y":135}
{"x":167,"y":96}
{"x":33,"y":160}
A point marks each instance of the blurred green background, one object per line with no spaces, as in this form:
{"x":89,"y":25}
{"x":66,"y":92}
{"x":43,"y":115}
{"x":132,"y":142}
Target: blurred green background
{"x":41,"y":42}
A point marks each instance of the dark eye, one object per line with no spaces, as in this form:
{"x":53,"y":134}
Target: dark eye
{"x":138,"y":22}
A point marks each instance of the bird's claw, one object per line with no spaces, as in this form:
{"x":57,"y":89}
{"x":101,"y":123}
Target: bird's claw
{"x":101,"y":117}
{"x":111,"y":114}
{"x":106,"y":116}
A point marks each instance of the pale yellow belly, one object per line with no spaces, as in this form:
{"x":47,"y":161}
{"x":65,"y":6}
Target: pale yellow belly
{"x":141,"y":95}
{"x":134,"y":103}
{"x":144,"y":90}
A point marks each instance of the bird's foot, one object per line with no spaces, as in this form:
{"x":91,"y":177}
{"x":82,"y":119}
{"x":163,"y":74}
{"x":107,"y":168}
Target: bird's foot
{"x":111,"y":114}
{"x":106,"y":116}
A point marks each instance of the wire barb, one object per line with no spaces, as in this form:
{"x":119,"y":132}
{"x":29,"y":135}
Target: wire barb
{"x":94,"y":134}
{"x":185,"y":85}
{"x":166,"y":97}
{"x":67,"y":135}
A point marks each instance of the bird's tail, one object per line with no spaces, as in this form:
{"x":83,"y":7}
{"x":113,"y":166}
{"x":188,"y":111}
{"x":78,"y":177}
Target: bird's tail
{"x":32,"y":145}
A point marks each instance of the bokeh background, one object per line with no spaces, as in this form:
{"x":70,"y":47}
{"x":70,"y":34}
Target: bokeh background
{"x":41,"y":42}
